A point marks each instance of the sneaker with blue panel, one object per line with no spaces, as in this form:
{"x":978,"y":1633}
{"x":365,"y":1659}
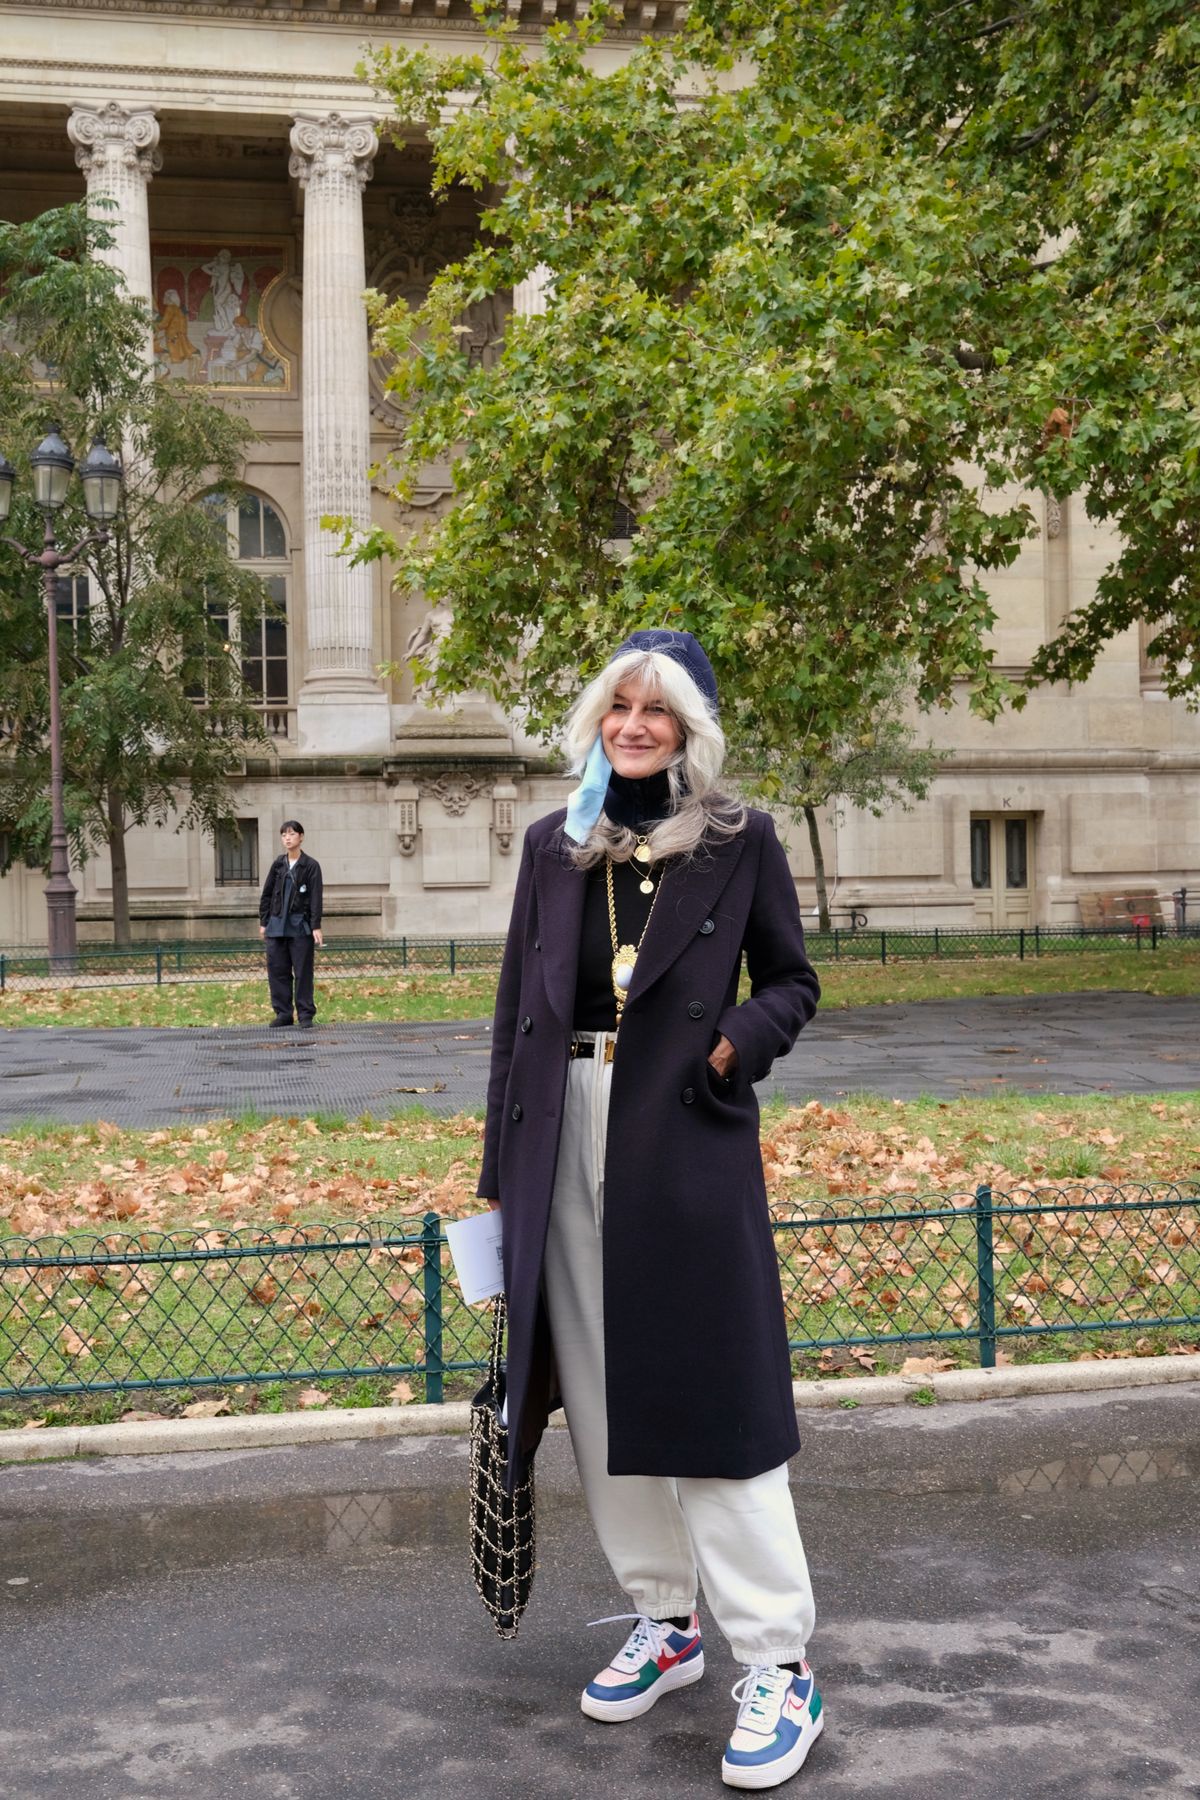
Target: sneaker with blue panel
{"x":779,"y":1720}
{"x":655,"y":1659}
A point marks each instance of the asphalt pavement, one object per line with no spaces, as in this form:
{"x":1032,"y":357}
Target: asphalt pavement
{"x":1056,"y":1044}
{"x":1008,"y":1609}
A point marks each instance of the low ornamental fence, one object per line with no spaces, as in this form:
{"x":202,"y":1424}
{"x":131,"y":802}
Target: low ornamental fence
{"x":149,"y":1311}
{"x":162,"y":965}
{"x":144,"y":965}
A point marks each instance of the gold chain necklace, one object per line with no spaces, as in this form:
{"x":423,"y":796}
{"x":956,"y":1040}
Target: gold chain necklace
{"x":625,"y":955}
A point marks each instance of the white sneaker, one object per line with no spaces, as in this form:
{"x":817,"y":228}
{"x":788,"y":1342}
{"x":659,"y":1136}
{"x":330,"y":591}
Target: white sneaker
{"x":779,"y":1720}
{"x":655,"y":1659}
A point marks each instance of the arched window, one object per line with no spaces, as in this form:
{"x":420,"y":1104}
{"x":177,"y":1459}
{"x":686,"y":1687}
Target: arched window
{"x":258,"y":540}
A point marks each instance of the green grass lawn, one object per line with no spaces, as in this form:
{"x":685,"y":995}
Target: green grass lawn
{"x":307,"y":1233}
{"x":255,"y":1172}
{"x":1172,"y":969}
{"x":209,"y":1004}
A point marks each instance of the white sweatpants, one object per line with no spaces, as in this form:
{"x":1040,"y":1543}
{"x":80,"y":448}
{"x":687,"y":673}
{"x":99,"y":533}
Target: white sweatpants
{"x":657,"y":1532}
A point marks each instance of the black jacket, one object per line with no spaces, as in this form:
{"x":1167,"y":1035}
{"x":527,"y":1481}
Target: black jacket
{"x":306,"y":902}
{"x":687,"y":1231}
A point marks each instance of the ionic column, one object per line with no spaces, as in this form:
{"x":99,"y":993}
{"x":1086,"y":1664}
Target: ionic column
{"x":529,"y":295}
{"x":117,"y":149}
{"x":331,"y":159}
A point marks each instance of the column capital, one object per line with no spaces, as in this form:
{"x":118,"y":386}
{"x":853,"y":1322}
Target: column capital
{"x":115,"y":135}
{"x":334,"y":148}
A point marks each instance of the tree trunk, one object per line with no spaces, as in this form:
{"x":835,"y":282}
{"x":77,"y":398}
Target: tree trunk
{"x":120,"y":867}
{"x":818,"y":856}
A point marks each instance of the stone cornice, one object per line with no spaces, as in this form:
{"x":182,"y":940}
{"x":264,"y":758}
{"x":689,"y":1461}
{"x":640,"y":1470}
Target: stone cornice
{"x":1090,"y":759}
{"x":165,"y":87}
{"x":641,"y":17}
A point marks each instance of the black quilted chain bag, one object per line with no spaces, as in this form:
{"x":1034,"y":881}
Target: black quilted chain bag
{"x":502,"y":1524}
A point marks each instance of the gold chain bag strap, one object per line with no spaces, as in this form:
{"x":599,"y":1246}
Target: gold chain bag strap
{"x":502,"y":1524}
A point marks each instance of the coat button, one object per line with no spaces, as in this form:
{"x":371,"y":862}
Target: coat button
{"x":537,"y":943}
{"x":696,"y":1009}
{"x":516,"y":1111}
{"x":707,"y":928}
{"x":687,"y":1096}
{"x":526,"y":1023}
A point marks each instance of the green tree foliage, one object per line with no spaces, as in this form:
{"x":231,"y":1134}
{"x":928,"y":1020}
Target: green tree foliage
{"x":810,"y":322}
{"x":156,"y":717}
{"x":1088,"y":115}
{"x":872,"y":761}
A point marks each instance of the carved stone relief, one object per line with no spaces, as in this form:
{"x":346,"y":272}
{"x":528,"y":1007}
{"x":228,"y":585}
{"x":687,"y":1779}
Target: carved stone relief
{"x":456,"y":788}
{"x":406,"y":826}
{"x":422,"y":645}
{"x":402,"y":264}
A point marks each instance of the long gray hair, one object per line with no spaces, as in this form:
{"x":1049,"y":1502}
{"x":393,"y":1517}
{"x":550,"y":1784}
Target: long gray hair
{"x":699,"y":810}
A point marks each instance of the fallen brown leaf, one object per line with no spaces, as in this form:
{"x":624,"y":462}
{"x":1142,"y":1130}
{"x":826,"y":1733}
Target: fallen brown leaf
{"x":926,"y":1365}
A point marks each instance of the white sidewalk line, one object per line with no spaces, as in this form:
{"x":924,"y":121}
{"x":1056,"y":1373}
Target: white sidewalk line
{"x":342,"y":1424}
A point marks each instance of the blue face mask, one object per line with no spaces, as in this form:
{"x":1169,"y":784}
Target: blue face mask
{"x":586,"y":802}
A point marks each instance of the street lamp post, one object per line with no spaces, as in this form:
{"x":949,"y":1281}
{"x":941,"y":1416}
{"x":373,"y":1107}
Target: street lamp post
{"x":100,"y":477}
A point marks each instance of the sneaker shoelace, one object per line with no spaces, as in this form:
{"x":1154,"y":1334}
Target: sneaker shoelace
{"x":760,"y":1693}
{"x":645,"y":1640}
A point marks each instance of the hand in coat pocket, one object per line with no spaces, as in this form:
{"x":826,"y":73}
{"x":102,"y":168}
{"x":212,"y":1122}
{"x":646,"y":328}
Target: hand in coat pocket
{"x":721,"y":1067}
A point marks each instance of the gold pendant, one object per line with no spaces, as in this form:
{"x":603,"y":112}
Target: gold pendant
{"x":646,"y":887}
{"x":622,"y":969}
{"x":642,"y":853}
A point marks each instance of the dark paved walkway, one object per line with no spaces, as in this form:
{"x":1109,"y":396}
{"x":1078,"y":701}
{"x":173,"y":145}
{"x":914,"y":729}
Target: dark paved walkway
{"x":1062,"y":1044}
{"x":1008,"y":1609}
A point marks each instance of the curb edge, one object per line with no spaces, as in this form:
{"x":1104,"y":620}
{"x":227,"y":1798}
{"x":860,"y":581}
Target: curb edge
{"x":344,"y":1424}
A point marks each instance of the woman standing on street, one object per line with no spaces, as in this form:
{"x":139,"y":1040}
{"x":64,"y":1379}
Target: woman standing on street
{"x":622,"y":1146}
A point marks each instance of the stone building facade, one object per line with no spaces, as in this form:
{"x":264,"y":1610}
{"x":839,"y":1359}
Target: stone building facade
{"x":255,"y":199}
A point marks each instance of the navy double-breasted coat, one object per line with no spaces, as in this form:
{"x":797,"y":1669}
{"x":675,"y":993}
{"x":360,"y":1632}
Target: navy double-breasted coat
{"x":695,"y":1341}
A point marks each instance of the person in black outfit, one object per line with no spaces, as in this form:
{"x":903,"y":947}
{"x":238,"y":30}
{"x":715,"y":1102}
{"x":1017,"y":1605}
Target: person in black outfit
{"x":289,"y":918}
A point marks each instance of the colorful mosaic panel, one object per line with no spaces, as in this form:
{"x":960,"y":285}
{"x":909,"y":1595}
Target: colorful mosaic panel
{"x":209,"y":318}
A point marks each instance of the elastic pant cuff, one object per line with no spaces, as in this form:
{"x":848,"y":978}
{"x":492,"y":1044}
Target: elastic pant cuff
{"x":778,"y":1654}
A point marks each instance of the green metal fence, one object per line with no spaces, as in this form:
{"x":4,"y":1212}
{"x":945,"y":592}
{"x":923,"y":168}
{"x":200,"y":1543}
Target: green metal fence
{"x":150,"y":965}
{"x":1024,"y":943}
{"x":147,"y":1311}
{"x":164,"y":964}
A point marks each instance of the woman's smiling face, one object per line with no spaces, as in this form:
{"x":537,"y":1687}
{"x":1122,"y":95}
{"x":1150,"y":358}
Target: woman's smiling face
{"x":639,"y":733}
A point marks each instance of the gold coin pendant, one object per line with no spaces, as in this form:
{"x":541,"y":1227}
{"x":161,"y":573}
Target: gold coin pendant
{"x":642,"y":853}
{"x":622,"y":967}
{"x":646,"y":887}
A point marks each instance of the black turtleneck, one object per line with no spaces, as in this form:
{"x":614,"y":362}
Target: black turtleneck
{"x":638,"y":801}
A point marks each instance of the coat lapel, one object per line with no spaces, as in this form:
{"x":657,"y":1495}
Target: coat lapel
{"x":560,"y":891}
{"x":686,"y":901}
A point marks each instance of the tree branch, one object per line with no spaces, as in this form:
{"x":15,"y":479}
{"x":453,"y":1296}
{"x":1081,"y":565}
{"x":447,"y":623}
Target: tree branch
{"x":992,"y":30}
{"x":981,"y":361}
{"x":953,"y":136}
{"x":1033,"y":138}
{"x":947,"y":10}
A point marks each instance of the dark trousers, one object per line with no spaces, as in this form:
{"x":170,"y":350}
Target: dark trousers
{"x":291,"y":959}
